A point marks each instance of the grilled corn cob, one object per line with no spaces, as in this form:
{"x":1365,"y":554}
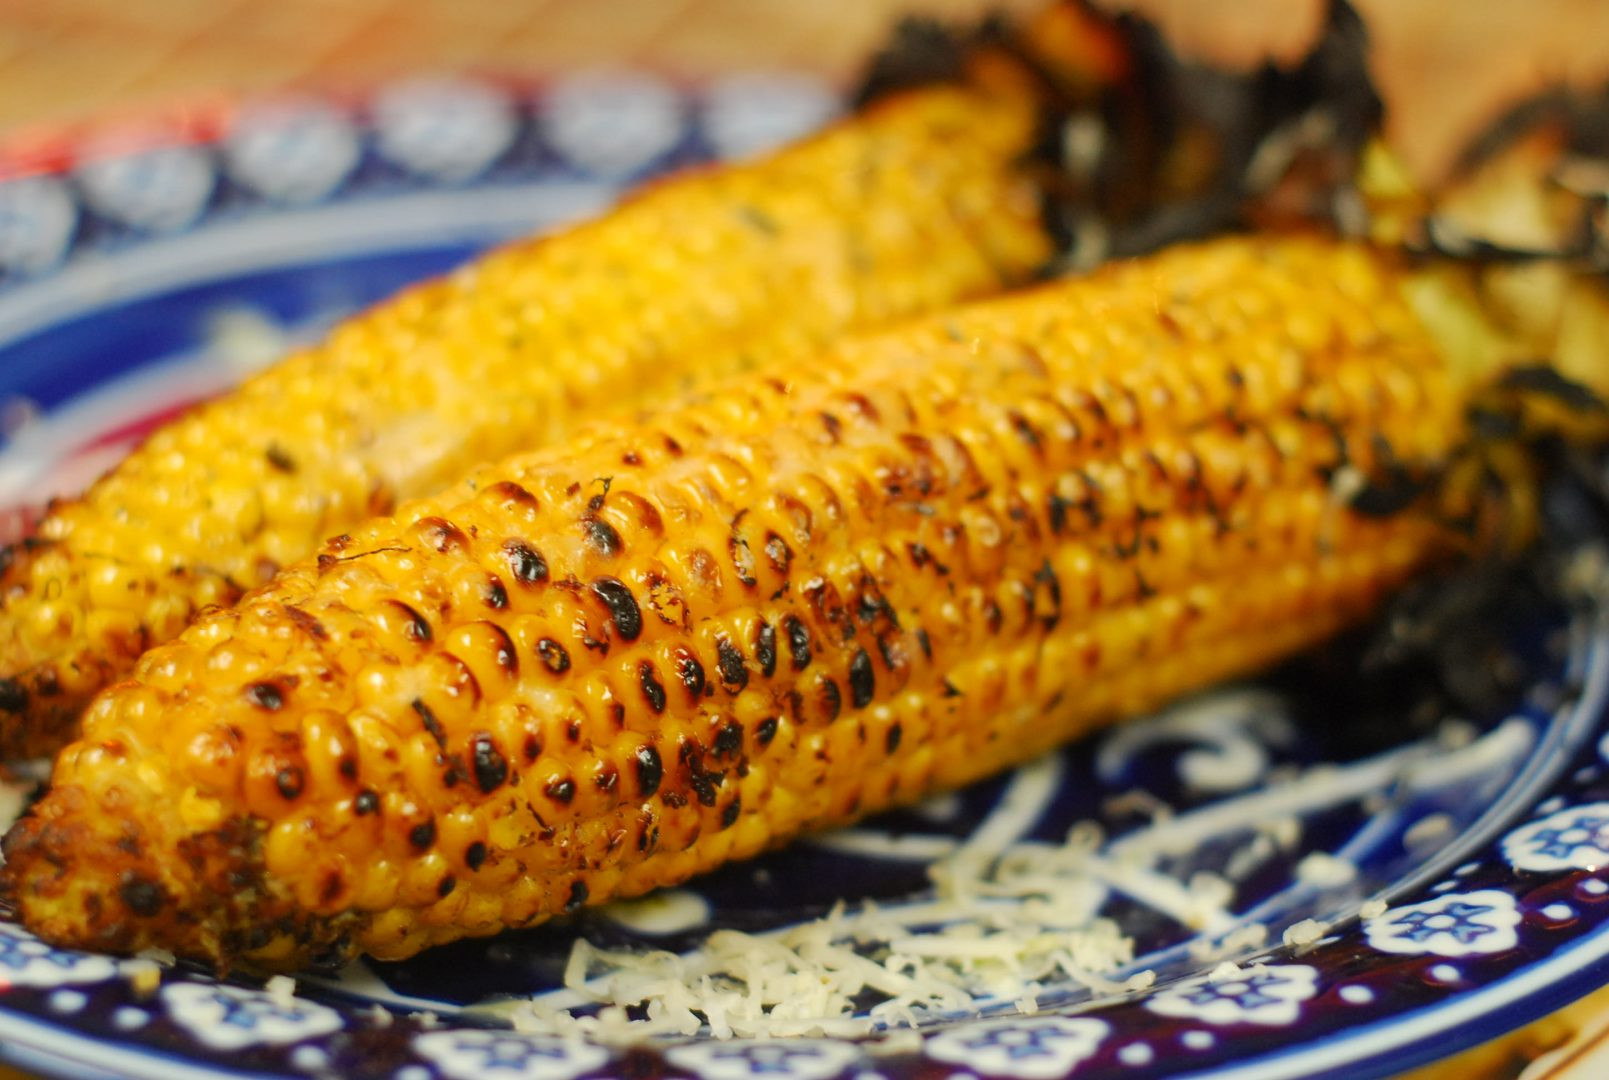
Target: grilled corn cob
{"x":952,"y":189}
{"x":797,"y":599}
{"x":893,"y":212}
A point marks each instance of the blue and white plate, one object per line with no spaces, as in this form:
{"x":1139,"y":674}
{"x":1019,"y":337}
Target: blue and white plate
{"x":1292,"y":879}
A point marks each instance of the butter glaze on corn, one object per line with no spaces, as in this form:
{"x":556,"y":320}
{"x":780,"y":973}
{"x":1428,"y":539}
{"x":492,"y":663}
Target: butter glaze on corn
{"x":680,"y":640}
{"x":908,"y":207}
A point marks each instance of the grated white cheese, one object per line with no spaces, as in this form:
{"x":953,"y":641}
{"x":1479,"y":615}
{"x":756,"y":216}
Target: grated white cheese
{"x":1239,"y":941}
{"x":281,"y":989}
{"x":1303,"y":933}
{"x":1455,"y":734}
{"x":1372,"y":909}
{"x":1326,"y":871}
{"x":1139,"y":802}
{"x":1285,"y":831}
{"x":1004,"y":922}
{"x":1428,"y":832}
{"x":143,"y":975}
{"x":996,"y":930}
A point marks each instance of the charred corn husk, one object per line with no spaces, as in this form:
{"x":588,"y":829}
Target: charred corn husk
{"x":905,"y":208}
{"x":681,"y":639}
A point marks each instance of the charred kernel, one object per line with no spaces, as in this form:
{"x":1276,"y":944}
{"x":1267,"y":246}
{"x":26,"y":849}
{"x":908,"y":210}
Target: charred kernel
{"x":729,"y":815}
{"x":924,"y":643}
{"x":1047,"y":596}
{"x":578,"y":896}
{"x":705,"y":571}
{"x":496,"y":595}
{"x":893,"y":656}
{"x":832,"y":701}
{"x":862,"y":680}
{"x":600,"y":536}
{"x":606,"y":777}
{"x":428,"y":719}
{"x":652,"y":690}
{"x":1057,"y":508}
{"x":288,"y":781}
{"x":623,"y":609}
{"x":778,"y":552}
{"x":141,"y":895}
{"x":512,"y":494}
{"x":367,"y":802}
{"x":525,"y":562}
{"x":507,"y":657}
{"x":348,"y":767}
{"x":1023,"y":429}
{"x":422,"y":835}
{"x":650,"y":770}
{"x":306,"y":622}
{"x":266,"y":695}
{"x":798,"y":641}
{"x":475,"y":855}
{"x":703,"y":785}
{"x":729,"y":740}
{"x":742,"y":558}
{"x":441,"y":534}
{"x":418,"y":629}
{"x":532,"y":747}
{"x":560,"y":791}
{"x":446,"y":886}
{"x":765,"y":649}
{"x":691,"y":672}
{"x":891,"y":740}
{"x":765,"y":731}
{"x":646,"y":513}
{"x":993,"y":617}
{"x":734,"y":672}
{"x":553,"y":655}
{"x":488,"y":763}
{"x":279,"y":459}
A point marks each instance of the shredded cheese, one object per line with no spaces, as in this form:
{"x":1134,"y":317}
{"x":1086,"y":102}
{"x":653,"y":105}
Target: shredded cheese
{"x":1303,"y":933}
{"x":1009,"y":927}
{"x":1326,"y":871}
{"x":281,"y":989}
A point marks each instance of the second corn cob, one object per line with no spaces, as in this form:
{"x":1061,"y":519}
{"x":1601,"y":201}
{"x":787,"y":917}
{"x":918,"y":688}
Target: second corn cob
{"x":602,"y":668}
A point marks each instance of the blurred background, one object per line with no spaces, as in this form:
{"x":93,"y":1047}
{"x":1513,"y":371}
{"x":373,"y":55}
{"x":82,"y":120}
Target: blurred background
{"x":1444,"y":64}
